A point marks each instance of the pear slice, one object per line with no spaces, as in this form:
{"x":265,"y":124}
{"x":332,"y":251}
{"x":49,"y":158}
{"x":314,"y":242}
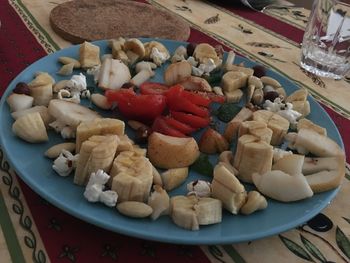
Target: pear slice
{"x":282,"y":187}
{"x":324,"y":173}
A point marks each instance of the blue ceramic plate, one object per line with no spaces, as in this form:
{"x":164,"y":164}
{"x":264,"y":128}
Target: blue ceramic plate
{"x":31,"y":165}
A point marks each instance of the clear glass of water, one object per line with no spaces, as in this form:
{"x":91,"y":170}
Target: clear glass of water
{"x":326,"y":43}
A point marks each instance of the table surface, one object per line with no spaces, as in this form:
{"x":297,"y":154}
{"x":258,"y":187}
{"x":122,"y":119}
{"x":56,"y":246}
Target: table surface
{"x":32,"y":230}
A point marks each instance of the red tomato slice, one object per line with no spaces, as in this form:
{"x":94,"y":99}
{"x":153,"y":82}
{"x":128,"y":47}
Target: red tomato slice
{"x":151,"y":88}
{"x":160,"y":125}
{"x":144,"y":108}
{"x":176,"y":102}
{"x":182,"y":127}
{"x":197,"y":98}
{"x":120,"y":94}
{"x":190,"y":119}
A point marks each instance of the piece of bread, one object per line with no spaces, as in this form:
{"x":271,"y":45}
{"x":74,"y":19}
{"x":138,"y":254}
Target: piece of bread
{"x":88,"y":20}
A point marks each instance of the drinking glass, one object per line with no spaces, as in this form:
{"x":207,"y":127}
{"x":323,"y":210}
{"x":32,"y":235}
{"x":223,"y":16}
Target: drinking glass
{"x":325,"y":48}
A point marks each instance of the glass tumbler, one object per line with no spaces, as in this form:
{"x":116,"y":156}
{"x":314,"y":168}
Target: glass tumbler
{"x":325,"y":49}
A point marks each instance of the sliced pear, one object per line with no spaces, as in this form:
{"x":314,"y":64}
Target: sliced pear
{"x":282,"y":187}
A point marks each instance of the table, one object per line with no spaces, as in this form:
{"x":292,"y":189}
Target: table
{"x":32,"y":230}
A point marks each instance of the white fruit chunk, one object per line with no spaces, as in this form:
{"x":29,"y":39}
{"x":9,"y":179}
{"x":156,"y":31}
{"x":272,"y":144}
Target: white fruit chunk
{"x":282,"y":187}
{"x":227,"y":188}
{"x":324,"y":173}
{"x":113,"y":74}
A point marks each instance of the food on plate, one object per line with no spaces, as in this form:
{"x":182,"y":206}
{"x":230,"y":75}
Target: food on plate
{"x":69,"y":60}
{"x":291,"y":164}
{"x":281,"y":186}
{"x":131,"y":105}
{"x":307,"y":140}
{"x":228,"y":189}
{"x":255,"y":201}
{"x":190,"y":212}
{"x":233,"y":80}
{"x":21,"y":88}
{"x":199,"y":188}
{"x":253,"y":155}
{"x":43,"y":111}
{"x":159,"y":200}
{"x":132,"y":176}
{"x":194,"y":83}
{"x":275,"y":122}
{"x":69,"y":113}
{"x":116,"y":171}
{"x":234,"y":96}
{"x":113,"y":74}
{"x":100,"y":101}
{"x":134,"y":209}
{"x":157,"y":52}
{"x":96,"y":153}
{"x":299,"y":101}
{"x":324,"y":173}
{"x":171,"y":152}
{"x":19,"y":102}
{"x":176,"y":72}
{"x":89,"y":55}
{"x":212,"y":142}
{"x":307,"y":124}
{"x":256,"y":128}
{"x":98,"y":126}
{"x":203,"y":52}
{"x":30,"y":128}
{"x":134,"y":49}
{"x":232,"y":126}
{"x":41,"y":79}
{"x":66,"y":69}
{"x":55,"y":150}
{"x":174,"y":177}
{"x":226,"y":158}
{"x":157,"y":179}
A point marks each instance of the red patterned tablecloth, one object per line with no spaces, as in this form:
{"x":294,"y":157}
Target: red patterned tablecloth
{"x":32,"y":230}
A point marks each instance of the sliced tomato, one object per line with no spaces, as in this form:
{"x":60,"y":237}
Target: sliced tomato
{"x":176,"y":102}
{"x":216,"y":98}
{"x":151,"y":88}
{"x":197,"y":98}
{"x":161,"y":126}
{"x":190,"y":119}
{"x":120,"y":94}
{"x":182,"y":127}
{"x":144,"y":108}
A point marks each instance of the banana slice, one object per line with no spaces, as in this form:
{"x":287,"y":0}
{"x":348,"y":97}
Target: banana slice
{"x":227,"y":188}
{"x":43,"y":111}
{"x":41,"y":94}
{"x":98,"y":126}
{"x":132,"y":176}
{"x":252,"y":156}
{"x":159,"y":201}
{"x":189,"y":211}
{"x":30,"y":128}
{"x":256,"y":128}
{"x":113,"y":74}
{"x":96,"y":153}
{"x":275,"y":122}
{"x":233,"y":126}
{"x":173,"y":178}
{"x":89,"y":55}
